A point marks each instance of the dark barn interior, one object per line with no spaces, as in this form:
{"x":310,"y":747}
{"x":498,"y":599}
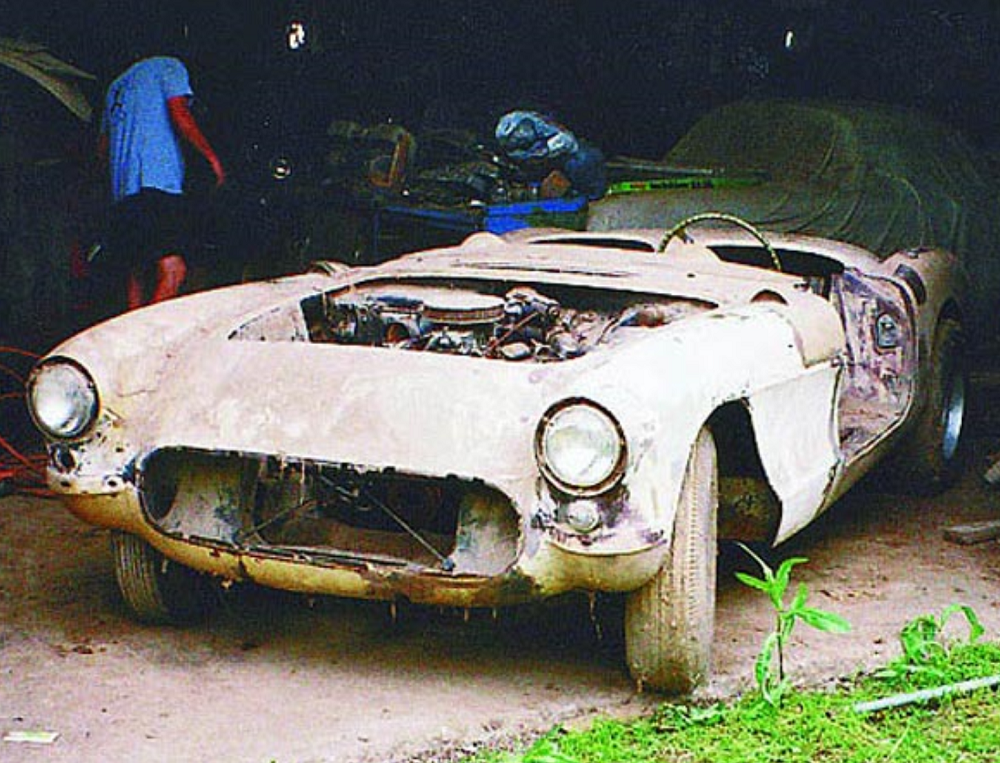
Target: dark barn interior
{"x":631,"y":77}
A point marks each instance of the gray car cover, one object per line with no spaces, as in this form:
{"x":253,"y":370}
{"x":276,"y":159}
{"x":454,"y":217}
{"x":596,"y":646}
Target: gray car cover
{"x":881,"y":177}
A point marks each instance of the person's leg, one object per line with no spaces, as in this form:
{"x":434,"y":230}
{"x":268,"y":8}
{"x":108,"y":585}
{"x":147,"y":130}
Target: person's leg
{"x":170,"y":273}
{"x":164,"y":267}
{"x":120,"y":265}
{"x":133,"y":291}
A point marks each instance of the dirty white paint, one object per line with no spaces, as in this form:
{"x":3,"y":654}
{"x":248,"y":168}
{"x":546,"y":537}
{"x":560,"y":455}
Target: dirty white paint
{"x":205,"y":373}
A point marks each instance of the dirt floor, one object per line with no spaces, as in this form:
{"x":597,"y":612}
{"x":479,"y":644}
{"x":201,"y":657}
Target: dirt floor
{"x":283,"y":678}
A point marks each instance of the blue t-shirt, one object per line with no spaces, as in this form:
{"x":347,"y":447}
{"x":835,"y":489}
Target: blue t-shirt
{"x":144,"y":150}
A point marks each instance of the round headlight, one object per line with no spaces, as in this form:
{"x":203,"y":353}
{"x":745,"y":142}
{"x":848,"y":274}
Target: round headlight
{"x":62,"y":398}
{"x":580,"y":447}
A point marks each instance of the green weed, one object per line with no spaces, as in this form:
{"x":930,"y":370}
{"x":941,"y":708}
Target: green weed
{"x":808,"y":726}
{"x":774,"y":583}
{"x":925,"y":649}
{"x":813,"y":725}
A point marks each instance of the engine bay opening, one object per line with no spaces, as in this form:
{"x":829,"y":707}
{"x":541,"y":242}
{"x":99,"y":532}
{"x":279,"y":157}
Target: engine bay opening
{"x":487,"y":320}
{"x":318,"y":511}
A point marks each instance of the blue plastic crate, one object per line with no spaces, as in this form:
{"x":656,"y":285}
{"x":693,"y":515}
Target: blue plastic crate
{"x":543,"y":213}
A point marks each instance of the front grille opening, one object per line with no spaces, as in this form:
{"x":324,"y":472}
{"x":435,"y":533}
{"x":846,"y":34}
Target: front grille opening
{"x":365,"y":515}
{"x":318,"y":511}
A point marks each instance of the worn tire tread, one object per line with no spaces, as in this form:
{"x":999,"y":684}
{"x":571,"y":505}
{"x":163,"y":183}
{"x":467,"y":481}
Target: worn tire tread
{"x":669,"y":622}
{"x":156,"y":590}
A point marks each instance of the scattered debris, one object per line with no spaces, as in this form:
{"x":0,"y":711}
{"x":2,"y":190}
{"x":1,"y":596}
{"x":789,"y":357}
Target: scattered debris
{"x":973,"y":532}
{"x":31,"y":737}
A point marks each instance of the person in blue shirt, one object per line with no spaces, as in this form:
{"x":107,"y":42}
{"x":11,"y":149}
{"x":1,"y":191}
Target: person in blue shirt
{"x":146,"y":114}
{"x":536,"y":142}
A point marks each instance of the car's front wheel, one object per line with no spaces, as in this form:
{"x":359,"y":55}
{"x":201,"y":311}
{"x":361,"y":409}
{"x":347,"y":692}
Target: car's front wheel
{"x":670,"y":621}
{"x":155,"y":589}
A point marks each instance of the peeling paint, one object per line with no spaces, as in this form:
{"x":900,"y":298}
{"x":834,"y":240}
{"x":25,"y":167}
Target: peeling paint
{"x":370,"y":432}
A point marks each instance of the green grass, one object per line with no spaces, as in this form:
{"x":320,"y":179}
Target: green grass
{"x":807,"y":727}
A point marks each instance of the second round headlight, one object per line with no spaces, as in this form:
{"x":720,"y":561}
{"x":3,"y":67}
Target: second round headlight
{"x":62,"y":398}
{"x":580,"y":447}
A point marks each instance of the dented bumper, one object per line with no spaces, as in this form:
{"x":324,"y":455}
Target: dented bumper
{"x":339,"y":530}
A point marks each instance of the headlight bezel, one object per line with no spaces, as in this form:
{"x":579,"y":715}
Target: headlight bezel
{"x":87,"y":418}
{"x":609,"y":477}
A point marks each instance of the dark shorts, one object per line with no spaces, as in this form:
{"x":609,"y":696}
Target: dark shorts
{"x":139,"y":231}
{"x":146,"y":227}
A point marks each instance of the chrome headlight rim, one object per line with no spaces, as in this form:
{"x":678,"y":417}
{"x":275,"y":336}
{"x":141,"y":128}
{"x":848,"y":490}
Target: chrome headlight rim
{"x":92,"y":406}
{"x":609,"y":478}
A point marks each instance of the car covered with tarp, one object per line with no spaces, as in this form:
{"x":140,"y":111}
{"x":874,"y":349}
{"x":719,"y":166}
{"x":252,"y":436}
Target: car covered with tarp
{"x":880,"y":177}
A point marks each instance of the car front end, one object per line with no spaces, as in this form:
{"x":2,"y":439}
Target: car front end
{"x":271,"y":453}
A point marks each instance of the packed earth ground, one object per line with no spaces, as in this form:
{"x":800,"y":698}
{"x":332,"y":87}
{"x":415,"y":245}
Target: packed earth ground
{"x":277,"y":677}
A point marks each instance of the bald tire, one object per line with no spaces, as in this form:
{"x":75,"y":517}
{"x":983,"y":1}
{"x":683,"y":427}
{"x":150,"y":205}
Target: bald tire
{"x":155,"y":589}
{"x":670,"y":622}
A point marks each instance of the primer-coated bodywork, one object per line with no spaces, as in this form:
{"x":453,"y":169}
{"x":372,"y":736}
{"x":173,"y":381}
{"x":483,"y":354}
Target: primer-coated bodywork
{"x":225,"y":415}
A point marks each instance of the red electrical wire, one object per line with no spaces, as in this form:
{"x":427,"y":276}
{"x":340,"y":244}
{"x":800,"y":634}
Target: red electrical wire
{"x":18,"y":351}
{"x":12,"y":373}
{"x":26,"y":461}
{"x":25,"y":471}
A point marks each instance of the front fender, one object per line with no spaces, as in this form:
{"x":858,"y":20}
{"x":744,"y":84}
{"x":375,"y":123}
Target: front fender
{"x":666,"y":388}
{"x":794,"y":425}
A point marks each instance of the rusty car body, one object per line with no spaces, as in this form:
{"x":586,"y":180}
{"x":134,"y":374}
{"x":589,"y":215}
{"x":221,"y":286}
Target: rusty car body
{"x":507,"y":420}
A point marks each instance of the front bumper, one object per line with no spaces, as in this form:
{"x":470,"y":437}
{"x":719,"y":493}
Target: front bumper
{"x":332,"y":529}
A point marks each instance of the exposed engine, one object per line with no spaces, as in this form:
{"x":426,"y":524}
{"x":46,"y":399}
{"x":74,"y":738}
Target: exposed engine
{"x":522,"y":324}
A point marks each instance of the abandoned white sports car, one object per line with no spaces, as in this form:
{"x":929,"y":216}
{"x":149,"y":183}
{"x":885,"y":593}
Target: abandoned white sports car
{"x":507,"y":420}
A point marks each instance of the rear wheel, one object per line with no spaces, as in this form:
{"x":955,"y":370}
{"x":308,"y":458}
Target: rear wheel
{"x":930,"y":460}
{"x":156,"y":589}
{"x":670,"y":621}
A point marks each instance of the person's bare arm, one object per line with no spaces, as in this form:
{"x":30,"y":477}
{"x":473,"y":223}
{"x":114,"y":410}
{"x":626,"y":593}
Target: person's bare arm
{"x":102,"y":148}
{"x":184,"y":121}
